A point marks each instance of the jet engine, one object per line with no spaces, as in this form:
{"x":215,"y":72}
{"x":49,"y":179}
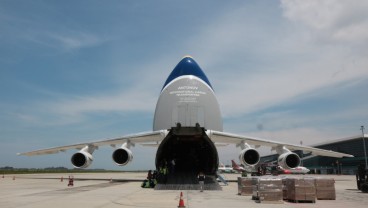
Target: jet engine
{"x":82,"y":159}
{"x":249,"y":156}
{"x":122,"y":156}
{"x":289,"y":160}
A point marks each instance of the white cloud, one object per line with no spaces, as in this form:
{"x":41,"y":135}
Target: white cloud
{"x":255,"y":92}
{"x":75,"y":109}
{"x":45,"y":34}
{"x":338,"y":20}
{"x":287,"y":63}
{"x":139,"y":95}
{"x":317,"y":14}
{"x":124,"y":101}
{"x":310,"y":67}
{"x":355,"y":32}
{"x":64,"y":41}
{"x":77,"y":41}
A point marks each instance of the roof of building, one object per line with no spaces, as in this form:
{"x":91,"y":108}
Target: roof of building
{"x":340,"y":140}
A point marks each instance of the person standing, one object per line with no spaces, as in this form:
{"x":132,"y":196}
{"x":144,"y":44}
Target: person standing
{"x":201,"y":178}
{"x":172,"y":166}
{"x":149,"y":175}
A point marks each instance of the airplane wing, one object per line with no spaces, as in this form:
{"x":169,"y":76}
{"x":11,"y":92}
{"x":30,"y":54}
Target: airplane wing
{"x":146,"y":137}
{"x":223,"y":137}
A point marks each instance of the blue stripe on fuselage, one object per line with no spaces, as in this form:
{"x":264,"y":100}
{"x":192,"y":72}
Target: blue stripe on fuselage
{"x":187,"y":66}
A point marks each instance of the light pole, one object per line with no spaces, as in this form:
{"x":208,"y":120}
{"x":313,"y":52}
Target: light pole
{"x":301,"y":144}
{"x":365,"y":152}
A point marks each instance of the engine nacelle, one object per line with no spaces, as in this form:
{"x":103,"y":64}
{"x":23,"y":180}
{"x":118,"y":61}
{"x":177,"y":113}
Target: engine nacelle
{"x":82,"y":159}
{"x":289,"y":160}
{"x":122,"y":156}
{"x":249,"y":156}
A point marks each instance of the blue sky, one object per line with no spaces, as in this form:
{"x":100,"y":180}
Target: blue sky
{"x":71,"y":72}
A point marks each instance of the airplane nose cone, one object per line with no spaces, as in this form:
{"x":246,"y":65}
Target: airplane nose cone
{"x":187,"y":66}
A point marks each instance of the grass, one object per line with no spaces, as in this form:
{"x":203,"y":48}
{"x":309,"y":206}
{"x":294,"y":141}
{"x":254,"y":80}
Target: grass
{"x":54,"y":170}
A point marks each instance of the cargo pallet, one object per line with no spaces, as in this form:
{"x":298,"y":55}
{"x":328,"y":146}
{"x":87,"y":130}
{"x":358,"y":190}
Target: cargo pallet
{"x":270,"y":202}
{"x":325,"y":198}
{"x":301,"y":201}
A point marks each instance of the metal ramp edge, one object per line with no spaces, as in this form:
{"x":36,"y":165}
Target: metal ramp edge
{"x":210,"y":184}
{"x":209,"y":187}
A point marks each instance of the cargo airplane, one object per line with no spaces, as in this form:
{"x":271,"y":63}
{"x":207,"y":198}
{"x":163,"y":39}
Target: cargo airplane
{"x":237,"y":167}
{"x":187,"y":127}
{"x":223,"y":169}
{"x":296,"y":170}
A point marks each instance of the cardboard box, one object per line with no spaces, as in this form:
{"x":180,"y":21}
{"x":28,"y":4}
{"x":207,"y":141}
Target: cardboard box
{"x":325,"y":188}
{"x":300,"y":189}
{"x":243,"y":181}
{"x":245,"y":186}
{"x":267,"y":190}
{"x":245,"y":190}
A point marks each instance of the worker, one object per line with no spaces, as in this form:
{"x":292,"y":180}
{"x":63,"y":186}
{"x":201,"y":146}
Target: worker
{"x":162,"y":174}
{"x":154,"y":174}
{"x":201,"y":178}
{"x":165,"y":173}
{"x":149,"y":175}
{"x":172,"y":166}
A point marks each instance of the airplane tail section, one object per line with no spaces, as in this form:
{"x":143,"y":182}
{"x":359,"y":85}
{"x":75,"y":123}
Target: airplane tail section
{"x":234,"y":165}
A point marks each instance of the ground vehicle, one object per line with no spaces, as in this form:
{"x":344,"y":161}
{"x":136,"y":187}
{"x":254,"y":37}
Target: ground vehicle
{"x":362,"y":178}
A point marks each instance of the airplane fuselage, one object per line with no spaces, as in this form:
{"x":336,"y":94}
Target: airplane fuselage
{"x":187,"y":106}
{"x":187,"y":98}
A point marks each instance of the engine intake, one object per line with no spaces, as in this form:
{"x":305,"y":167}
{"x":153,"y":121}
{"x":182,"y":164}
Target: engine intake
{"x":82,"y":159}
{"x":289,"y":160}
{"x":122,"y":156}
{"x":249,"y":156}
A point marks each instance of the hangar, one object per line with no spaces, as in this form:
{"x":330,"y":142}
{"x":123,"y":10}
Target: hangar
{"x":329,"y":165}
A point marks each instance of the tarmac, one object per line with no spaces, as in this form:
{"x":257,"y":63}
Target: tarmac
{"x":123,"y":190}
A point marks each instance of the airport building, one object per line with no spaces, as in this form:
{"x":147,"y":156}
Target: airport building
{"x":329,"y":165}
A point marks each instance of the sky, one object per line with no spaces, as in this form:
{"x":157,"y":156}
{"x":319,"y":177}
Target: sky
{"x":78,"y":71}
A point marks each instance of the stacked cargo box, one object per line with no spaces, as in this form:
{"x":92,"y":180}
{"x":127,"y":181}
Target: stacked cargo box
{"x":325,"y":188}
{"x":244,"y":186}
{"x":294,"y":189}
{"x":299,"y":189}
{"x":267,"y":190}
